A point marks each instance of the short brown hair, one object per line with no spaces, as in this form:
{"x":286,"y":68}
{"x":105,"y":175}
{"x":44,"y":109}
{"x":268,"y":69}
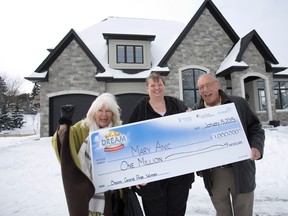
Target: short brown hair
{"x":155,"y":77}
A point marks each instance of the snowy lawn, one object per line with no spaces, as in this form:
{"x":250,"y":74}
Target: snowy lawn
{"x":31,"y":183}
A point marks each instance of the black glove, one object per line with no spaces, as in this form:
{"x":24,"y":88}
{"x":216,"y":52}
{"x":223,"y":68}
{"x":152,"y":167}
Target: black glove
{"x":67,"y":112}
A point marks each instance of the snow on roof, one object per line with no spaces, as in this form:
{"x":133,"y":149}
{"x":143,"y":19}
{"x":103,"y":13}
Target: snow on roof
{"x":166,"y":32}
{"x":230,"y":59}
{"x":285,"y":72}
{"x":38,"y":75}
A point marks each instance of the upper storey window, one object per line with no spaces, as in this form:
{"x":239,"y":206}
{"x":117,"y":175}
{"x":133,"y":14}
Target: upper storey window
{"x":129,"y":52}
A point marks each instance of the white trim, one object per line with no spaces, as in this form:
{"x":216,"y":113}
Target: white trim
{"x":194,"y":67}
{"x":180,"y":84}
{"x":281,"y":110}
{"x":54,"y":94}
{"x":267,"y":90}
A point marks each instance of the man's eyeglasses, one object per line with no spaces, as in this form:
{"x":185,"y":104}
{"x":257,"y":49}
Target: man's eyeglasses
{"x":207,"y":85}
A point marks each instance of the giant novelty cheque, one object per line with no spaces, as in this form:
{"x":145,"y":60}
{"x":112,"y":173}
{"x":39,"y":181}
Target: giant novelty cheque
{"x":165,"y":147}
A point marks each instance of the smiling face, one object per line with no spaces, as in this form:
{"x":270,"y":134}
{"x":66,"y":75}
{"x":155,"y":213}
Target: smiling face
{"x":209,"y":89}
{"x":155,"y":88}
{"x":103,"y":117}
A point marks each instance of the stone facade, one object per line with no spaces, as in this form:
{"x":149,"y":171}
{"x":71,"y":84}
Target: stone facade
{"x":72,"y":72}
{"x":205,"y":46}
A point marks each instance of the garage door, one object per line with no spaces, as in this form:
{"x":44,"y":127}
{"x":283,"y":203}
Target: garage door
{"x":127,"y":103}
{"x":82,"y":103}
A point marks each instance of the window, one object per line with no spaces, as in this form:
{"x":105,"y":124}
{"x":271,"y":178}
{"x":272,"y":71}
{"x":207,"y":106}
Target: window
{"x":129,"y":54}
{"x":189,"y":85}
{"x":281,"y":94}
{"x":261,"y":95}
{"x":229,"y":91}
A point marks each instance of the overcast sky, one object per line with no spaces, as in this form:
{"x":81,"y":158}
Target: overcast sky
{"x":30,"y":27}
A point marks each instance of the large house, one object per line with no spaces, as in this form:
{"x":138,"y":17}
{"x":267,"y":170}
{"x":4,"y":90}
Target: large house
{"x":117,"y":54}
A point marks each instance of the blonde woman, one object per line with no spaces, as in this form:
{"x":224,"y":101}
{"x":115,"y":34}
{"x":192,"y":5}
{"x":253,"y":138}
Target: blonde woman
{"x":71,"y":145}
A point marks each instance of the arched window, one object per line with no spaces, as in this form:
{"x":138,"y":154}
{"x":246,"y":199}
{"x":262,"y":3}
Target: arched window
{"x":189,"y":85}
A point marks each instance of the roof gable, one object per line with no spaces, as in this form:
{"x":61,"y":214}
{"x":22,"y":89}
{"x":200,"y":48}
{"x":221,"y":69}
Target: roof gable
{"x":260,"y":45}
{"x":254,"y":37}
{"x":233,"y":61}
{"x":54,"y":54}
{"x":207,"y":4}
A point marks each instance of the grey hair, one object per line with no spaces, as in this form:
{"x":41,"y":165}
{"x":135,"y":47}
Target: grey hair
{"x":109,"y":101}
{"x":213,"y":76}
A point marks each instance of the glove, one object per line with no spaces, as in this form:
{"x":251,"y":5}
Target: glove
{"x":67,"y":112}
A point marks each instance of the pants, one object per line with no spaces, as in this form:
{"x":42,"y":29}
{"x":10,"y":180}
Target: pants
{"x":175,"y":193}
{"x":224,"y":200}
{"x":95,"y":214}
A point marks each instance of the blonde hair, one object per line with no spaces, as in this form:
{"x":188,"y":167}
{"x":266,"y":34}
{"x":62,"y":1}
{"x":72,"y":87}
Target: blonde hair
{"x":109,"y":101}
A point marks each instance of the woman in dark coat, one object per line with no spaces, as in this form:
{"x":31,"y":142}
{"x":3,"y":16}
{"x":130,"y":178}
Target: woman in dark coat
{"x":166,"y":197}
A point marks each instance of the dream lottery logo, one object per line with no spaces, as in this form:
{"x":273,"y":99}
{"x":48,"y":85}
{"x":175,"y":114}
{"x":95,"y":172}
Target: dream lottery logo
{"x":113,"y":141}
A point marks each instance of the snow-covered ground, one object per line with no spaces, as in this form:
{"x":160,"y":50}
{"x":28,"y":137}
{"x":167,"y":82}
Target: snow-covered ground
{"x":31,"y":184}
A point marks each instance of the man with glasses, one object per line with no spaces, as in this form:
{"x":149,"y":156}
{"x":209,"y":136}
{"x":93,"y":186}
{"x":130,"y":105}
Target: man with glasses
{"x":231,"y":187}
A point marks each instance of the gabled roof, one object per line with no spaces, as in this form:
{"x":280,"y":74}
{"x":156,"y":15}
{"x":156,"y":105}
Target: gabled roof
{"x":164,"y":36}
{"x":161,"y":34}
{"x":233,"y":61}
{"x":207,"y":4}
{"x":260,"y":45}
{"x":54,"y":54}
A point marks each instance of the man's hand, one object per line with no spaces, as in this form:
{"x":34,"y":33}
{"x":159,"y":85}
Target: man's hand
{"x":255,"y":154}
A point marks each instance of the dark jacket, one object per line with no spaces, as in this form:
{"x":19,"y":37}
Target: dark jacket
{"x":144,"y":111}
{"x":244,"y":171}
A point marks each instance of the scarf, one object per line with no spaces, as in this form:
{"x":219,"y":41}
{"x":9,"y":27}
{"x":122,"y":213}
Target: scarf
{"x":97,"y":202}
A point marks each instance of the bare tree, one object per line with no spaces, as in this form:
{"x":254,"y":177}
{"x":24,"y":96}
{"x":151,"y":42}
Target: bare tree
{"x":13,"y":84}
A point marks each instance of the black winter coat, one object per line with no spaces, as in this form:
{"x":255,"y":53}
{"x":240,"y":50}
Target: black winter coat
{"x":144,"y":111}
{"x":244,"y":171}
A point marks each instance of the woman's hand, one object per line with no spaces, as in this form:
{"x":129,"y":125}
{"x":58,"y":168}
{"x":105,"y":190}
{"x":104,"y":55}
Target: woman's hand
{"x":140,"y":185}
